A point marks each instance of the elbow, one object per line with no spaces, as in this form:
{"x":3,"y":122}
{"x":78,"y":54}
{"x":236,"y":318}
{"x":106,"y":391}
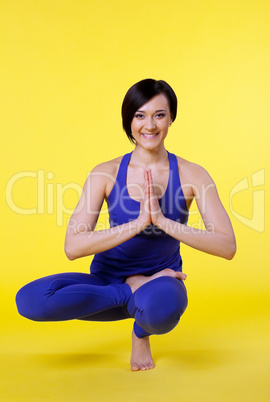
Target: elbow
{"x":73,"y":250}
{"x":70,"y":252}
{"x":231,"y":251}
{"x":71,"y":256}
{"x":229,"y":256}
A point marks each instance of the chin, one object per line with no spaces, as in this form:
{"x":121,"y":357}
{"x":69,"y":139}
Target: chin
{"x":150,"y":147}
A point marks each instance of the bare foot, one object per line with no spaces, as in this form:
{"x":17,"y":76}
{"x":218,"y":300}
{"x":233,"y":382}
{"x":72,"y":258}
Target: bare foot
{"x":136,"y":281}
{"x":141,"y":357}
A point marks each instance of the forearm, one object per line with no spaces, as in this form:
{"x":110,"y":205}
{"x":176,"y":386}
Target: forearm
{"x":86,"y":243}
{"x":208,"y":241}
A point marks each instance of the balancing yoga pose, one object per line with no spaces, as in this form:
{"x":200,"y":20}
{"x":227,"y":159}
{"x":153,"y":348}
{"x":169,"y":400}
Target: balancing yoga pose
{"x":136,"y":271}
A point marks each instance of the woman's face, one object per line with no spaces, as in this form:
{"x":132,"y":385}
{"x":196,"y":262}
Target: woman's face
{"x":150,"y":123}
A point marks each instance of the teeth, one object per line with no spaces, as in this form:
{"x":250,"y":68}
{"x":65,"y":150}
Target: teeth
{"x":149,"y":135}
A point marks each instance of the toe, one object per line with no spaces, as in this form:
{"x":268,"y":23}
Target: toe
{"x":134,"y":367}
{"x":168,"y":271}
{"x":181,"y":275}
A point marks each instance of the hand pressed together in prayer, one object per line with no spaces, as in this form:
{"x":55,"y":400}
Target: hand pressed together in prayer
{"x":150,"y":211}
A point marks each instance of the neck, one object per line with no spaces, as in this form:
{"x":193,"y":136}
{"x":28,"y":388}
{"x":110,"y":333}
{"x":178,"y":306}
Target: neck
{"x":147,"y":157}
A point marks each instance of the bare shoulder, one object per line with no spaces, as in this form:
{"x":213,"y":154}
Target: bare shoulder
{"x":104,"y":174}
{"x":110,"y":167}
{"x":193,"y":173}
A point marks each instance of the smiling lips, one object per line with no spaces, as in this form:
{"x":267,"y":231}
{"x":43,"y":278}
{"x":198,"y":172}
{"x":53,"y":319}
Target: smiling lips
{"x":149,"y":136}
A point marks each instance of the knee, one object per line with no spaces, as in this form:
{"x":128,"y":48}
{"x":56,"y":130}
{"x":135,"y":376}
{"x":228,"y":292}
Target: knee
{"x":163,"y":304}
{"x":28,"y":304}
{"x":21,"y":302}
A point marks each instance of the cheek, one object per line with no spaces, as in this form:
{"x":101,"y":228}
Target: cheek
{"x":134,"y":126}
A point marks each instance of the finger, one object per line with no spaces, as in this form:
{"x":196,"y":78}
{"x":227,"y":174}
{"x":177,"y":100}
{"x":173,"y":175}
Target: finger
{"x":145,"y":178}
{"x":150,"y":174}
{"x":147,"y":184}
{"x":150,"y":177}
{"x":152,"y":191}
{"x":146,"y":192}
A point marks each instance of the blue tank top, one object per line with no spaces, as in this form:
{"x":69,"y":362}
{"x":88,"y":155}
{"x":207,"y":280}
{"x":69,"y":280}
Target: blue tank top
{"x":152,"y":249}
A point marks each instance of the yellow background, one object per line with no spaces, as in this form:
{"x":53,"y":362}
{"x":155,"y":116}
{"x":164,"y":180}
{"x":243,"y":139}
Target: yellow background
{"x":65,"y":67}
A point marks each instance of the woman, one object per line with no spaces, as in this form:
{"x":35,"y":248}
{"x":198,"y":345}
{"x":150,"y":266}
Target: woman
{"x":137,"y":268}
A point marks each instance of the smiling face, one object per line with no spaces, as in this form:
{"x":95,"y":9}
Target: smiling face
{"x":150,"y":123}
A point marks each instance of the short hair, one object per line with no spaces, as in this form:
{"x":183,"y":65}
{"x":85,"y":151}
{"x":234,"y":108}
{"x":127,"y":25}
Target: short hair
{"x":139,"y":94}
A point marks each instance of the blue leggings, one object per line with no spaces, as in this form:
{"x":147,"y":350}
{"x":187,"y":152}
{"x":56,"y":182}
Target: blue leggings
{"x":156,"y":306}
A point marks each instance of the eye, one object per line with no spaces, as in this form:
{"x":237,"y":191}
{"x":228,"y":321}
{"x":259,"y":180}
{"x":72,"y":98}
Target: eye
{"x":139,"y":116}
{"x":160,"y":115}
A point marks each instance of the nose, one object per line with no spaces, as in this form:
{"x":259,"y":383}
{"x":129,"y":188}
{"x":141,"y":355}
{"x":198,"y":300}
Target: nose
{"x":150,"y":124}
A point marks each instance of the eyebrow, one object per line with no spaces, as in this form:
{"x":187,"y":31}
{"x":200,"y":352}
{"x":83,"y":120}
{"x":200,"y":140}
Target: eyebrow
{"x":160,"y":110}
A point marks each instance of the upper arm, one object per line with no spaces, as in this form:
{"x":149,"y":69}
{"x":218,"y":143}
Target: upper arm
{"x":212,"y":211}
{"x":86,"y":213}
